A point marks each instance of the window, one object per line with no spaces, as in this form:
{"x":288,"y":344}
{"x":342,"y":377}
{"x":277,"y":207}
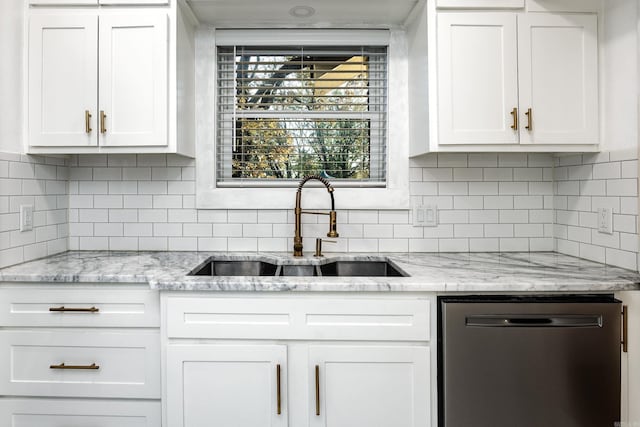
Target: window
{"x":286,"y":112}
{"x":376,"y":115}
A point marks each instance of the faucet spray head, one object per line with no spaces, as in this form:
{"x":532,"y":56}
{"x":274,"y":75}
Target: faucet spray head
{"x":333,"y":225}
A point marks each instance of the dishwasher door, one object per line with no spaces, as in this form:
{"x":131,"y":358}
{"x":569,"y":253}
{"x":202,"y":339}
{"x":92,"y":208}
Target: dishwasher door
{"x":529,"y":362}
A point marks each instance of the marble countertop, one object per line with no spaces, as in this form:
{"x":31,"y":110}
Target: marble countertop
{"x":444,"y":272}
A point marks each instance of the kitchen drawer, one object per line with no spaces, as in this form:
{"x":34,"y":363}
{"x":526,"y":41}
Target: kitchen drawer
{"x":316,"y":318}
{"x":128,"y":364}
{"x":78,"y":413}
{"x":31,"y":306}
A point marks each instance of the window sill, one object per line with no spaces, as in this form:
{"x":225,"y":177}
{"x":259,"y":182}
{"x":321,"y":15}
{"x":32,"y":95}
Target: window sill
{"x":312,"y":198}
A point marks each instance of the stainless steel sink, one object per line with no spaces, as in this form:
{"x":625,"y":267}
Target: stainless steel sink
{"x":235,"y":268}
{"x":340,"y":268}
{"x":361,"y":268}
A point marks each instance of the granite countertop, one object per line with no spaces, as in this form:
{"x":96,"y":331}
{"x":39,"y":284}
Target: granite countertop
{"x":444,"y":272}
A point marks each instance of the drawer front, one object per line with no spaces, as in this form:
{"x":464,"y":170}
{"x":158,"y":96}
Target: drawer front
{"x":79,"y":307}
{"x":80,"y":364}
{"x":78,"y":413}
{"x":316,"y":318}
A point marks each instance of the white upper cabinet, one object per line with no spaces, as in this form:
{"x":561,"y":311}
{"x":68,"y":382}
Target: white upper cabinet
{"x":478,"y":78}
{"x":511,"y":81}
{"x":63,"y":83}
{"x":133,"y":80}
{"x":122,"y":102}
{"x":558,"y":69}
{"x":105,"y":79}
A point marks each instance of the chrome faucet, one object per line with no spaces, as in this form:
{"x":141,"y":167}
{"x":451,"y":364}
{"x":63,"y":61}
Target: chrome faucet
{"x":297,"y":239}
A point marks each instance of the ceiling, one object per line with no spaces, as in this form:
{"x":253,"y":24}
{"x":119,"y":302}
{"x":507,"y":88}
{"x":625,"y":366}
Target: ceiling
{"x":279,"y":13}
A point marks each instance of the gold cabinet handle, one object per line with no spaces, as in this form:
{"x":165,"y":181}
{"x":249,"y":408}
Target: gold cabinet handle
{"x":278,"y":398}
{"x":317,"y":390}
{"x":91,"y":367}
{"x":625,"y":325}
{"x":529,"y":115}
{"x":63,"y":309}
{"x":514,"y":113}
{"x":103,"y":122}
{"x":87,"y":121}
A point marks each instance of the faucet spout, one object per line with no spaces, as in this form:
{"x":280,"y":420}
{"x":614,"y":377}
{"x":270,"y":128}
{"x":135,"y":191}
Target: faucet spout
{"x":297,"y":239}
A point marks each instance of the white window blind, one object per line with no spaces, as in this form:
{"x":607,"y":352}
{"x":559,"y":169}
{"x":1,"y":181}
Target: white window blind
{"x":286,"y":112}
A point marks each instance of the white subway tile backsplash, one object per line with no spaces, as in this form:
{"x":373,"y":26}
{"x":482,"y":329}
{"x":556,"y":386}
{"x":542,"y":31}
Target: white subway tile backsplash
{"x":182,"y":215}
{"x":452,"y":160}
{"x":486,"y":202}
{"x":167,"y":202}
{"x":123,"y":244}
{"x":113,"y":202}
{"x":107,"y":174}
{"x":483,"y":160}
{"x":498,"y":174}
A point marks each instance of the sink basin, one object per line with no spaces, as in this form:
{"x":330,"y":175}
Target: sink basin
{"x":235,"y":268}
{"x":361,"y":268}
{"x":342,"y":268}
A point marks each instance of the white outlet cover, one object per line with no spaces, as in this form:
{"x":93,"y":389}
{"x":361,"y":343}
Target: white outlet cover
{"x":26,"y":217}
{"x":605,"y":220}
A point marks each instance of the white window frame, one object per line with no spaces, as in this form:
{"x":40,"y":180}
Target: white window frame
{"x":396,"y":193}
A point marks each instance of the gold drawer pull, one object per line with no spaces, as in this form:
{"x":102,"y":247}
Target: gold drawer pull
{"x":279,"y":399}
{"x":92,"y":367}
{"x":514,"y":113}
{"x":87,"y":121}
{"x":63,"y":309}
{"x":529,"y":115}
{"x":317,"y":390}
{"x":103,"y":122}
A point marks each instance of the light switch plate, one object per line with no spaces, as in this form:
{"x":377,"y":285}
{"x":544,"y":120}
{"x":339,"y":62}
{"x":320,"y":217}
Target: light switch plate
{"x":26,"y":217}
{"x":425,"y":216}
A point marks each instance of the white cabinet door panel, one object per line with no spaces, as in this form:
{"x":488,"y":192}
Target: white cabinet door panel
{"x":370,"y":386}
{"x":480,"y":4}
{"x":78,"y":413}
{"x":62,"y":79}
{"x":558,"y":68}
{"x":226,"y":385}
{"x":133,"y":79}
{"x":477,"y":78}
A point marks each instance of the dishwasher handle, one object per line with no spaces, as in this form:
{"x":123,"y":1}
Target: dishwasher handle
{"x":534,"y":320}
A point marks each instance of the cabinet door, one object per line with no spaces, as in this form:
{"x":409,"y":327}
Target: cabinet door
{"x":63,"y":64}
{"x":558,"y":72}
{"x":133,"y":80}
{"x":477,"y":78}
{"x":369,"y":386}
{"x":78,"y":413}
{"x":226,"y":385}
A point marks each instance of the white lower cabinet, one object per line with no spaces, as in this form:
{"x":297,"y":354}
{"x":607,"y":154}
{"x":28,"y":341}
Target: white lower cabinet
{"x":78,"y":413}
{"x":310,"y":380}
{"x":382,"y":386}
{"x":227,"y":385}
{"x":79,"y":356}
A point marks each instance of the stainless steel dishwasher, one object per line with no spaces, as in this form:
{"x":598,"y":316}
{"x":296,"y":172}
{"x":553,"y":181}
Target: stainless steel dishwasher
{"x":529,"y":361}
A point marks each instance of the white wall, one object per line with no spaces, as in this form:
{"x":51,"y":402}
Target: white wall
{"x":11,"y":75}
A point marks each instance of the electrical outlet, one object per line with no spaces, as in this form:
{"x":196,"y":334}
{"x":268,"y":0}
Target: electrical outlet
{"x":26,"y":217}
{"x":605,"y":220}
{"x":425,"y":216}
